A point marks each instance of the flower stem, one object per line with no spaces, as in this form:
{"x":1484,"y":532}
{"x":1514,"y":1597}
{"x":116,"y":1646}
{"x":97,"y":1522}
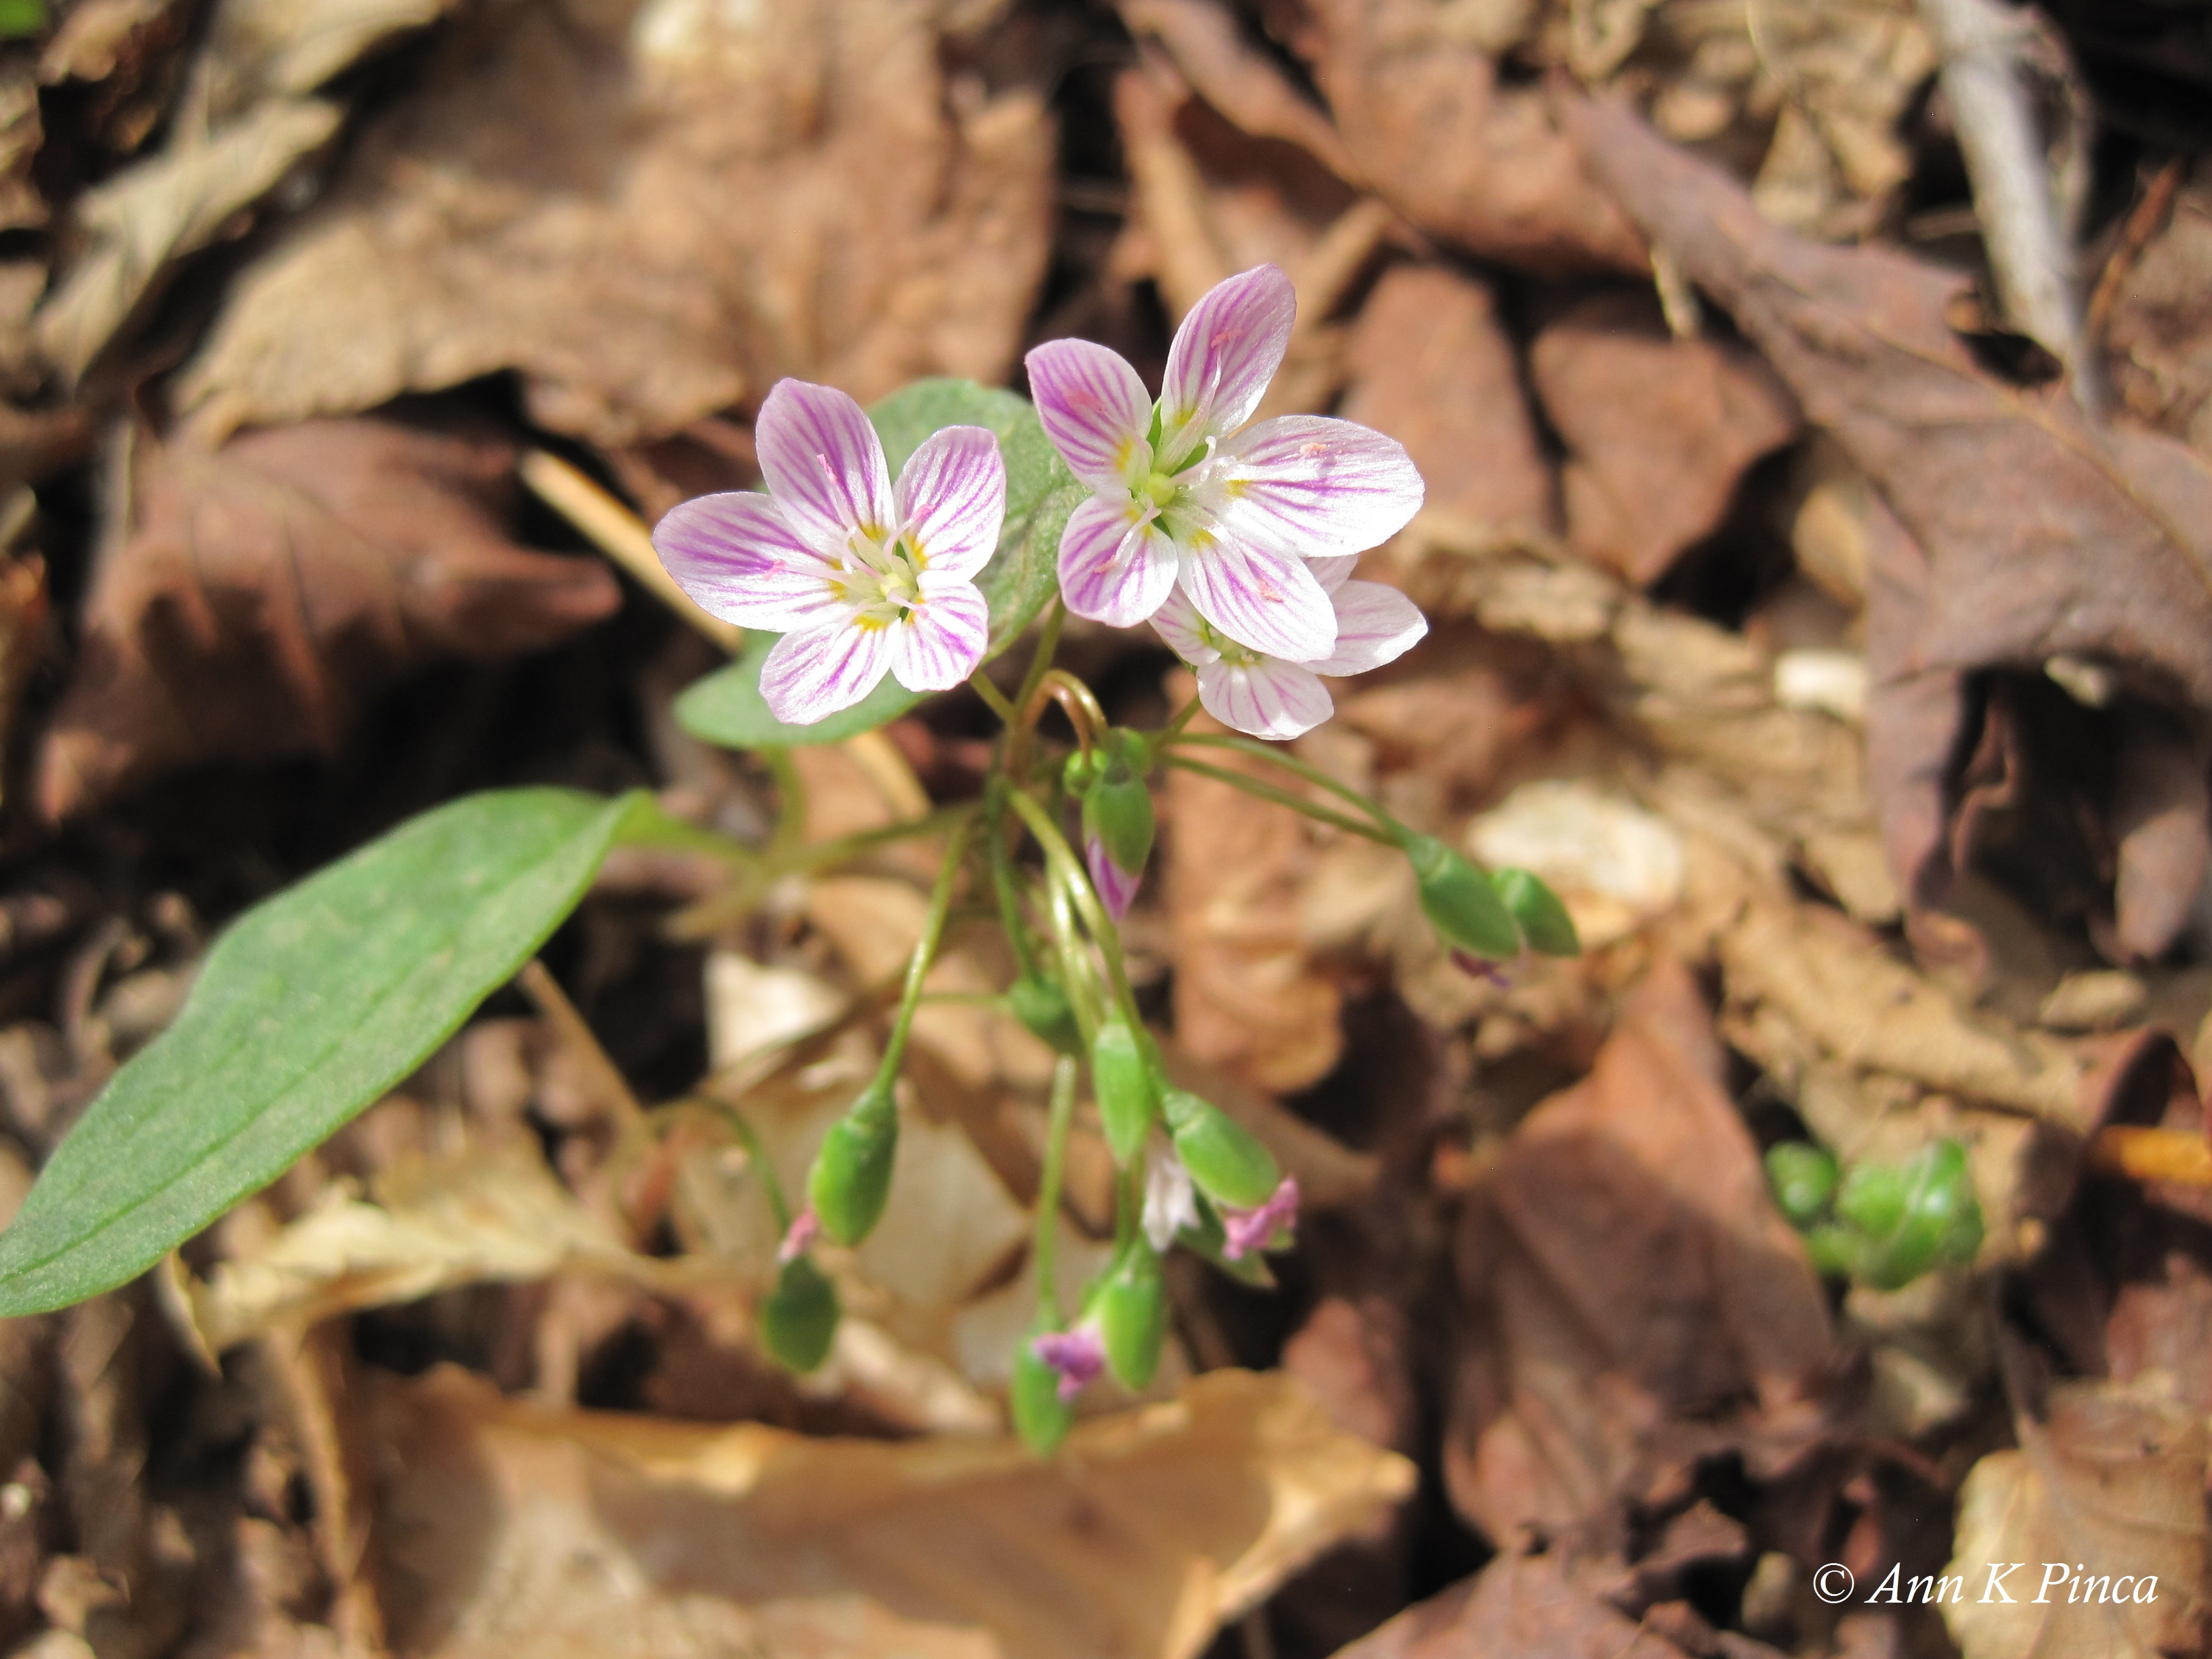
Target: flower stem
{"x":1084,"y":712}
{"x":1002,"y":877}
{"x":1173,"y":729}
{"x":712,"y":914}
{"x":1045,"y":1251}
{"x":771,"y":1183}
{"x":1306,"y":770}
{"x":1067,"y":873}
{"x":1269,"y":792}
{"x":991,"y":696}
{"x":925,"y":949}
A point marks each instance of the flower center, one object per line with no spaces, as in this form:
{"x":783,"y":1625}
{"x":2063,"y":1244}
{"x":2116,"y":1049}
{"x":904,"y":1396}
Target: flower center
{"x":1235,"y":655}
{"x":883,"y":577}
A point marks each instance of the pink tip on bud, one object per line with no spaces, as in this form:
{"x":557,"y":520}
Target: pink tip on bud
{"x":1117,"y":887}
{"x":806,"y":1227}
{"x":1251,"y":1229}
{"x":1078,"y":1355}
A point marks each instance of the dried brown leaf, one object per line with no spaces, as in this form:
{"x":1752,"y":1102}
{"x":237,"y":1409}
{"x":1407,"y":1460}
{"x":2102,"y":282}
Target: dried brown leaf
{"x":1424,"y":115}
{"x":653,"y":210}
{"x":1233,"y":74}
{"x":1519,"y":1607}
{"x":2159,"y":332}
{"x":255,"y":595}
{"x":2023,"y":531}
{"x":514,"y":1529}
{"x":1659,"y":430}
{"x":2111,"y":1486}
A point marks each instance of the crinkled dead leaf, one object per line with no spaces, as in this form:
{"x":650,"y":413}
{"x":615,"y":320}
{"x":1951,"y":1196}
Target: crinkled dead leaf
{"x":2023,"y":532}
{"x":1427,"y":116}
{"x":1633,"y":1291}
{"x":2111,"y":1486}
{"x":465,"y":1220}
{"x":1432,"y":367}
{"x":2159,"y":335}
{"x":1614,"y":864}
{"x":509,"y":1528}
{"x":1237,"y":77}
{"x":1659,"y":431}
{"x":21,"y":206}
{"x":653,"y":211}
{"x":251,"y":598}
{"x":1519,"y":1607}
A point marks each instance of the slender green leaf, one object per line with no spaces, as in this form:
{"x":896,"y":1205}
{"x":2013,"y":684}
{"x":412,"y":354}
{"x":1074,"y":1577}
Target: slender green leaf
{"x":312,"y":1006}
{"x":727,"y":707}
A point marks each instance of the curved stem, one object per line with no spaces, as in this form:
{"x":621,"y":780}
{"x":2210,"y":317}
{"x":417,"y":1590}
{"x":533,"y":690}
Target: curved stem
{"x":1002,"y":878}
{"x":771,"y":1183}
{"x":1045,"y":1252}
{"x":1267,"y":792}
{"x":925,"y":949}
{"x":1019,"y":732}
{"x":1084,"y":712}
{"x":1075,"y":967}
{"x":1067,"y":873}
{"x":993,"y":697}
{"x":1168,"y":733}
{"x":1306,"y":770}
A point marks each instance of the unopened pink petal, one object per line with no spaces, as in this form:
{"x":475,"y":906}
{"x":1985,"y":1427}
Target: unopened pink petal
{"x":1117,"y":887}
{"x":1183,"y":630}
{"x":952,"y":496}
{"x":824,"y":464}
{"x":1094,"y":409}
{"x":1261,"y":598}
{"x":1268,"y":699}
{"x":739,"y":560}
{"x":1226,"y":350}
{"x":1312,"y":486}
{"x":1251,"y":1229}
{"x":939,"y":642}
{"x":1115,"y":567}
{"x":1375,"y":624}
{"x":809,"y":676}
{"x":1078,"y":1355}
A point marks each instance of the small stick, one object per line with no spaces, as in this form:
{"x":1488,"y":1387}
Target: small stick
{"x":575,"y":1035}
{"x":2181,"y":1156}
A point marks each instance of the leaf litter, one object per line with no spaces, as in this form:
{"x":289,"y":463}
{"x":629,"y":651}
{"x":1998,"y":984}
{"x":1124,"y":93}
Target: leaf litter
{"x":1843,"y":674}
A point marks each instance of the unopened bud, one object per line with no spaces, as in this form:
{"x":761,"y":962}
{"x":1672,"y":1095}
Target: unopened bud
{"x":1229,"y":1165}
{"x":798,"y":1318}
{"x":1122,"y":1078}
{"x":1459,"y":901}
{"x":851,"y":1180}
{"x":1543,"y":921}
{"x":1804,"y":1179}
{"x":1041,"y":1005}
{"x":1131,"y":1310}
{"x":1040,"y":1416}
{"x":1939,"y":1221}
{"x":1117,"y":807}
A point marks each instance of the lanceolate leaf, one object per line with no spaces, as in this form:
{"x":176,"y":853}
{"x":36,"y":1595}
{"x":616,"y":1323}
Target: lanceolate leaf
{"x":727,"y":706}
{"x":312,"y":1006}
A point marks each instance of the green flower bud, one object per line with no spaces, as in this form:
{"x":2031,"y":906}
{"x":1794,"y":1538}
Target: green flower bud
{"x":1117,"y":807}
{"x":1939,"y":1224}
{"x":1041,"y":1005}
{"x":1834,"y":1249}
{"x":1871,"y":1199}
{"x":1131,"y":1310}
{"x":1460,"y":902}
{"x":1544,"y":921}
{"x":1075,"y":776}
{"x":851,"y":1177}
{"x":799,"y":1320}
{"x":1040,"y":1416}
{"x":1228,"y":1164}
{"x":1804,"y":1179}
{"x":1128,"y":1089}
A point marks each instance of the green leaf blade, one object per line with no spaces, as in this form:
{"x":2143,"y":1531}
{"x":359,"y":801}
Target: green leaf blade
{"x":727,"y":707}
{"x":315,"y":1004}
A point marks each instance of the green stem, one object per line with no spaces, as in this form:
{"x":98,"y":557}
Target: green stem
{"x":1016,"y":751}
{"x":791,"y":804}
{"x":994,"y":698}
{"x":771,"y":1183}
{"x":925,"y":949}
{"x":1312,"y":774}
{"x":1075,"y":969}
{"x":1046,"y":1250}
{"x":839,"y":848}
{"x":1067,"y":873}
{"x":1269,"y":792}
{"x":1173,"y":729}
{"x":1002,"y":878}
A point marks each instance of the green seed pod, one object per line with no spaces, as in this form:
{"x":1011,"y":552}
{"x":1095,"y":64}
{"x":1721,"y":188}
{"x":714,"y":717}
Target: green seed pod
{"x":851,"y":1180}
{"x":1871,"y":1199}
{"x":1041,"y":1005}
{"x":1835,"y":1249}
{"x":1544,"y":921}
{"x":1117,"y":807}
{"x":1132,"y":1309}
{"x":799,"y":1320}
{"x":1228,"y":1165}
{"x":1127,"y":1088}
{"x":1940,"y":1224}
{"x":1040,"y":1416}
{"x":1804,"y":1179}
{"x":1460,"y":902}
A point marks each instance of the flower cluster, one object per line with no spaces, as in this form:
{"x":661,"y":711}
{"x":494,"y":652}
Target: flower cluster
{"x":1235,"y":538}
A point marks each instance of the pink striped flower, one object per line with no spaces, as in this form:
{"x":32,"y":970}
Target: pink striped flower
{"x":1185,"y":493}
{"x":861,"y":577}
{"x":1270,"y":697}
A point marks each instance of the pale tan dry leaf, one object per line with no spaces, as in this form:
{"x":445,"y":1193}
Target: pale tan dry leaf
{"x":752,"y":1009}
{"x":260,"y":49}
{"x":2111,"y":1486}
{"x":1659,"y":431}
{"x":99,"y":37}
{"x":501,"y":1218}
{"x":141,"y":221}
{"x":251,"y":599}
{"x":2159,"y":337}
{"x":1615,"y":865}
{"x":512,"y":1530}
{"x":1519,"y":1607}
{"x":1430,"y":365}
{"x":21,"y":206}
{"x":1234,"y":76}
{"x":653,"y":211}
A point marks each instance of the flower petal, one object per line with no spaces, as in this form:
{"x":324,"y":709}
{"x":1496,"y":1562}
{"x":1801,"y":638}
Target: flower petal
{"x":1333,"y":570}
{"x":824,"y":464}
{"x":1183,"y":628}
{"x":1116,"y":566}
{"x":1313,"y":486}
{"x":951,"y":497}
{"x":809,"y":676}
{"x":1264,"y":599}
{"x":1375,"y":624}
{"x":737,"y":558}
{"x":1227,"y":349}
{"x":938,"y":642}
{"x":1269,"y":699}
{"x":1116,"y":887}
{"x":1095,"y":410}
